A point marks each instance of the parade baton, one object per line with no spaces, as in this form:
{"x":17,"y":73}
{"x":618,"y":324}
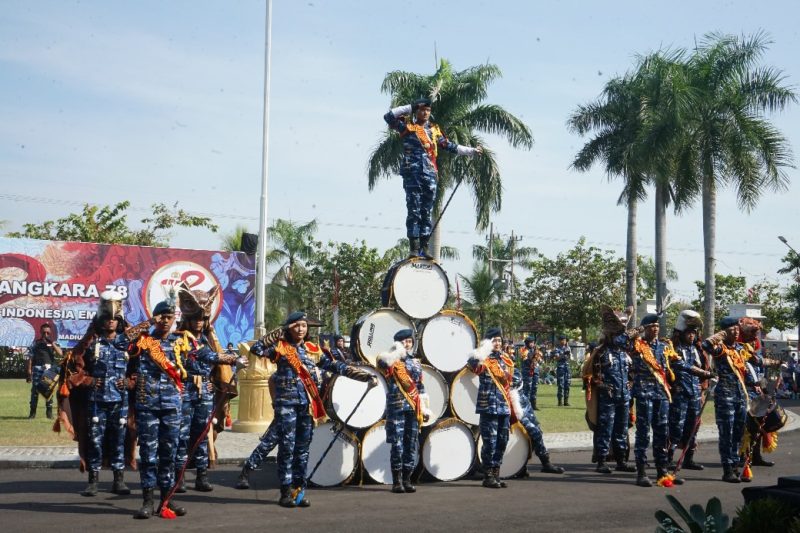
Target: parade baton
{"x":445,"y":206}
{"x":370,"y":386}
{"x":679,"y":463}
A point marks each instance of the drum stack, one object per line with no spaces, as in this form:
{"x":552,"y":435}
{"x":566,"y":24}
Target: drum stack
{"x":414,"y":293}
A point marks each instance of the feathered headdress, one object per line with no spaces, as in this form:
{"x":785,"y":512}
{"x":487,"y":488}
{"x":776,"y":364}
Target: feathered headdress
{"x":689,"y":319}
{"x":110,"y":305}
{"x":615,"y":322}
{"x":195,"y":303}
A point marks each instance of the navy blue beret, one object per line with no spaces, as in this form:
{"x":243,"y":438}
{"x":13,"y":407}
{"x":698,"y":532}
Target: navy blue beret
{"x":162,"y":307}
{"x":492,"y":333}
{"x":728,"y":321}
{"x":403,"y":334}
{"x":649,"y":319}
{"x":297,"y":316}
{"x":529,"y":339}
{"x":337,"y":338}
{"x":420,"y":102}
{"x":562,"y":337}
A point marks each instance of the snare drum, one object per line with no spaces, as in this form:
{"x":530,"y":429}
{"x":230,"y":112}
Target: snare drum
{"x":447,"y":339}
{"x":438,"y":391}
{"x":373,"y":332}
{"x":375,"y":454}
{"x":340,"y":463}
{"x":448,"y":452}
{"x":517,"y":453}
{"x":417,"y":286}
{"x":344,"y":394}
{"x":49,"y":381}
{"x":464,"y":396}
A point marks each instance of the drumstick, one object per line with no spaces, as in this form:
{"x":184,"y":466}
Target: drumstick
{"x":690,"y":442}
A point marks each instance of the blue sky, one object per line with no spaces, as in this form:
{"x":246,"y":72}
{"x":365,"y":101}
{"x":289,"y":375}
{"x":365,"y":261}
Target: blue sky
{"x":162,"y":102}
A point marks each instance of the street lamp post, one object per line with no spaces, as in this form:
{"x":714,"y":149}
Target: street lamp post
{"x":797,"y":280}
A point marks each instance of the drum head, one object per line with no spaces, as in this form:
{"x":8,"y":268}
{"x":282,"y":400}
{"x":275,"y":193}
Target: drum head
{"x":448,"y":452}
{"x":517,"y":452}
{"x":420,"y":288}
{"x":345,"y":394}
{"x":464,"y":396}
{"x":447,"y":340}
{"x":341,"y":461}
{"x":375,"y":454}
{"x":439,"y":392}
{"x":374,"y":331}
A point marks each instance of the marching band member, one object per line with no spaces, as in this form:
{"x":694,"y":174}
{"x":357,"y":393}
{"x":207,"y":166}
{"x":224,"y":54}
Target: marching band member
{"x":42,"y":354}
{"x":297,"y":401}
{"x":422,"y":139}
{"x":407,"y":407}
{"x":562,"y":355}
{"x":530,"y":371}
{"x":495,"y":371}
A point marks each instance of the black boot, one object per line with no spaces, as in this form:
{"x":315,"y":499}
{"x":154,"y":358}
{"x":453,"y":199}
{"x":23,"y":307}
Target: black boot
{"x":32,"y":413}
{"x":244,"y":478}
{"x":641,"y":477}
{"x":548,"y":467}
{"x":91,"y":488}
{"x":496,"y":473}
{"x":758,"y":459}
{"x":728,"y":474}
{"x":413,"y":247}
{"x":182,"y":485}
{"x":533,"y":405}
{"x":602,"y":467}
{"x":119,"y":486}
{"x":201,"y":482}
{"x":688,"y":462}
{"x":179,"y":511}
{"x":146,"y":510}
{"x":407,"y":486}
{"x":397,"y":484}
{"x":559,"y":402}
{"x":423,"y":247}
{"x":623,"y":466}
{"x":286,"y":497}
{"x":489,"y":481}
{"x":49,"y":411}
{"x":566,"y":401}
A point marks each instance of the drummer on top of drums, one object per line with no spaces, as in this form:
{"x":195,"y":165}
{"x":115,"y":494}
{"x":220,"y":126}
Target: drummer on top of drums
{"x":407,"y":407}
{"x":422,"y":140}
{"x":296,"y":400}
{"x":495,"y":370}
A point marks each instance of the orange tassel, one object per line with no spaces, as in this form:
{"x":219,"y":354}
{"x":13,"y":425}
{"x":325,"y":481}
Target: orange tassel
{"x":769,"y":442}
{"x":747,"y":474}
{"x":666,"y":481}
{"x":168,"y":513}
{"x":64,"y":390}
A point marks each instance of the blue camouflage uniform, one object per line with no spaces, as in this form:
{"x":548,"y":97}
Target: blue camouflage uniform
{"x":265,"y":445}
{"x":652,"y":407}
{"x":530,"y":376}
{"x":402,"y":425}
{"x":730,"y":402}
{"x":562,"y":355}
{"x":419,"y":170}
{"x":493,"y":409}
{"x":686,"y":396}
{"x":198,"y":400}
{"x":158,"y":414}
{"x":42,"y":358}
{"x":106,"y":361}
{"x":528,"y":419}
{"x":291,"y":404}
{"x":613,"y":400}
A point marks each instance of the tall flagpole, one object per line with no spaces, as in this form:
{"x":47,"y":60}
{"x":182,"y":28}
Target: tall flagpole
{"x":261,"y":266}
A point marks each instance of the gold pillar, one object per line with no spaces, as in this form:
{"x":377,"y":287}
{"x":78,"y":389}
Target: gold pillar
{"x":255,"y":402}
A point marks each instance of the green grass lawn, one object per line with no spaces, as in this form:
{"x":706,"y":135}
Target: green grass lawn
{"x":17,"y":430}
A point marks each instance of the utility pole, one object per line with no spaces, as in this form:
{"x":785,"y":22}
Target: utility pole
{"x":511,"y":281}
{"x":797,"y":280}
{"x":491,"y":238}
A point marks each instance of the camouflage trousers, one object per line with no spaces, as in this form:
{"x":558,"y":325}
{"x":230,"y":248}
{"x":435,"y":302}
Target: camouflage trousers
{"x":268,"y":441}
{"x":494,"y":433}
{"x":402,"y":432}
{"x":420,"y":193}
{"x":534,"y":388}
{"x":107,"y":426}
{"x":683,"y":414}
{"x":36,"y":376}
{"x":651,"y":413}
{"x":730,"y":411}
{"x":158,"y":432}
{"x":194,"y":417}
{"x":531,"y":425}
{"x":295,"y":427}
{"x":612,"y":425}
{"x":562,"y":380}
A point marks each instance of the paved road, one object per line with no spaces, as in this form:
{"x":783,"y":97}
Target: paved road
{"x":48,"y":499}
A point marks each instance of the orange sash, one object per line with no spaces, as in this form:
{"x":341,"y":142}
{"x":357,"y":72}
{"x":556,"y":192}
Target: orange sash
{"x":502,"y":379}
{"x":429,"y":144}
{"x":289,"y":353}
{"x":736,"y":362}
{"x":407,"y":387}
{"x":153,"y":347}
{"x":642,"y":347}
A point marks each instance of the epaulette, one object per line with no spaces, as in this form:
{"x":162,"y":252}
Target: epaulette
{"x":312,"y":349}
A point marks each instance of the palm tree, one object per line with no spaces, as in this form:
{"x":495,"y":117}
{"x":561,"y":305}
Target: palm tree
{"x":481,"y":290}
{"x":232,"y":242}
{"x":507,"y":252}
{"x":293,"y":245}
{"x":727,"y":140}
{"x":399,"y":251}
{"x":457,"y":103}
{"x":615,"y":116}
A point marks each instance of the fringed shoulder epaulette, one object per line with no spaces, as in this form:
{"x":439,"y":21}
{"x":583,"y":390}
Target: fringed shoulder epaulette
{"x":392,"y":355}
{"x":482,"y":351}
{"x":312,"y":348}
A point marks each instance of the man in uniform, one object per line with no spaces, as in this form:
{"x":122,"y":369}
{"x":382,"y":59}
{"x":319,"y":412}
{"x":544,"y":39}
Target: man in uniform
{"x":690,"y":368}
{"x":297,"y":402}
{"x":530,"y":371}
{"x":422,"y":139}
{"x":407,"y":407}
{"x":651,"y":391}
{"x":495,"y":371}
{"x":730,"y":395}
{"x":41,"y":356}
{"x":562,"y":356}
{"x":159,"y":386}
{"x":339,"y":351}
